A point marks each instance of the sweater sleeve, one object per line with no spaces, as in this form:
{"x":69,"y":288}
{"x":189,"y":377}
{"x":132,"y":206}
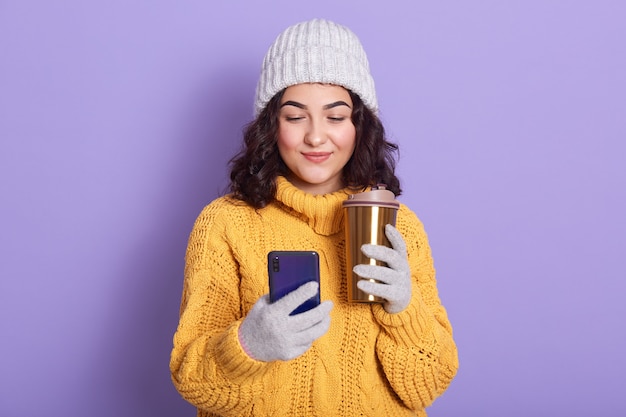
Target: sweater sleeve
{"x":415,"y":347}
{"x":208,"y":365}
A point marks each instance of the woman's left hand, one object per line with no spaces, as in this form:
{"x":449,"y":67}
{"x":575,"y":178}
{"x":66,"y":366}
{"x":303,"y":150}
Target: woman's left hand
{"x":394,"y":280}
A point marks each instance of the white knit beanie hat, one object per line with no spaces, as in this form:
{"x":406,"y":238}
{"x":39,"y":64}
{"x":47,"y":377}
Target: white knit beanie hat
{"x":317,"y":51}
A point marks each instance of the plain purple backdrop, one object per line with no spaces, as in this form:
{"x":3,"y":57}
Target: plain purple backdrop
{"x":117,"y":119}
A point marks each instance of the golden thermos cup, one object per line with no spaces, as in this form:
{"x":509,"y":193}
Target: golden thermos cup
{"x":366,"y":215}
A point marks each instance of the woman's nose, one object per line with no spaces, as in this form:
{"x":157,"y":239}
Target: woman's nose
{"x":315,"y":135}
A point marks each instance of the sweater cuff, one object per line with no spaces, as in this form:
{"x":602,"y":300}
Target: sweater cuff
{"x":236,"y":363}
{"x":410,"y":327}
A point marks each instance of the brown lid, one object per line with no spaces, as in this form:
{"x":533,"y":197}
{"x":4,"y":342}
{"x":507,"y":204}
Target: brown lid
{"x":378,"y":196}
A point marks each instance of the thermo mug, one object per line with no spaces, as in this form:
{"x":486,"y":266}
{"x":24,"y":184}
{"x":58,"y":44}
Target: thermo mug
{"x":366,"y":215}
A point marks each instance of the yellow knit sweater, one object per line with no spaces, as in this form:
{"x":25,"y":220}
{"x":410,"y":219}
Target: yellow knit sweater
{"x":370,"y":363}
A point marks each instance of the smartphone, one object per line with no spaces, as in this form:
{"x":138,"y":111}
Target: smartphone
{"x":288,"y":270}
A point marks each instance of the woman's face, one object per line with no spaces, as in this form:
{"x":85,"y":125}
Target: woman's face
{"x":316,"y":136}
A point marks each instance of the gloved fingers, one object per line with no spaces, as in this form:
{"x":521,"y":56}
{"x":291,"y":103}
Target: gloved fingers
{"x":379,"y":252}
{"x":308,"y":319}
{"x":377,"y":272}
{"x":388,"y":292}
{"x":291,"y":301}
{"x":261,"y":313}
{"x":311,"y":334}
{"x":393,"y":258}
{"x":269,"y":333}
{"x":391,"y":293}
{"x":396,"y":240}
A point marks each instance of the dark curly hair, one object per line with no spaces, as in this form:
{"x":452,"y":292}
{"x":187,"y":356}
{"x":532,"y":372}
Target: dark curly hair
{"x":253,"y":170}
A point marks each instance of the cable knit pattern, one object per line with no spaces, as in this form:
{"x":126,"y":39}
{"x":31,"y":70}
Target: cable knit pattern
{"x":370,"y":363}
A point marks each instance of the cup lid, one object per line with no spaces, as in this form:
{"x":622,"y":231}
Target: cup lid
{"x":379,"y":196}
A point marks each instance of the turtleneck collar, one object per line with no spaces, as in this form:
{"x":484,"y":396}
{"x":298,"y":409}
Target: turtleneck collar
{"x":323,"y":213}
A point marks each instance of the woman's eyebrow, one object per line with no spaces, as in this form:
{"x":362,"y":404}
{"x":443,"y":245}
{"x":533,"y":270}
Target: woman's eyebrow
{"x":336,"y":104}
{"x":293,"y":103}
{"x":304,"y":107}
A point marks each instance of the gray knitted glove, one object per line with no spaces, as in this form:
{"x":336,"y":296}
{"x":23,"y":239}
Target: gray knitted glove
{"x":394,"y":279}
{"x":269,"y":333}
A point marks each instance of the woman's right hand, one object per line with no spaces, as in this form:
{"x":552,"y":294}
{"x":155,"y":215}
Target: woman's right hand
{"x":269,"y":333}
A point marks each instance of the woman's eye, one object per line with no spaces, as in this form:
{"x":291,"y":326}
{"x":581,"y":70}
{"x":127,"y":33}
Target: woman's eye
{"x":337,"y":118}
{"x":293,"y":118}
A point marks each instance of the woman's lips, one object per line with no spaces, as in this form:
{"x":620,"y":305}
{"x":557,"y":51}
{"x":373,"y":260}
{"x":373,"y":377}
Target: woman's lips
{"x":317,"y":156}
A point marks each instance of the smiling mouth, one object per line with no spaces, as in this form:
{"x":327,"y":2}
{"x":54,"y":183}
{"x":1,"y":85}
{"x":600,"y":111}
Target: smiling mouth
{"x":317,"y":156}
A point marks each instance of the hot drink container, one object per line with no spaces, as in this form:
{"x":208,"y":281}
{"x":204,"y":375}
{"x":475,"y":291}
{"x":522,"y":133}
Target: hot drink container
{"x":366,"y":215}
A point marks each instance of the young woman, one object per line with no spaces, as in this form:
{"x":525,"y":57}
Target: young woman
{"x":315,"y":140}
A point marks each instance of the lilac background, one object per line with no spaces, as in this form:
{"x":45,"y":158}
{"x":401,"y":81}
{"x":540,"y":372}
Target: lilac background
{"x":116,"y":122}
